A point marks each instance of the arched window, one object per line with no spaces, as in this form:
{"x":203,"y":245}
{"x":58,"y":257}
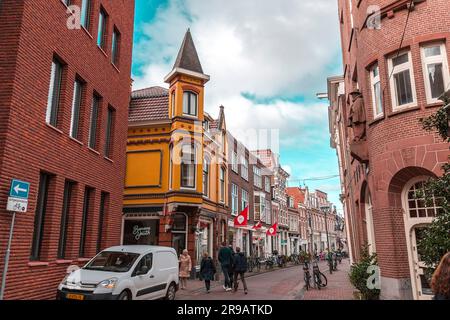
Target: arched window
{"x":418,"y":207}
{"x":206,"y":167}
{"x":190,"y":103}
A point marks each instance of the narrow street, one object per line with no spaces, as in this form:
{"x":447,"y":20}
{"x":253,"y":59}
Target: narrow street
{"x":281,"y":284}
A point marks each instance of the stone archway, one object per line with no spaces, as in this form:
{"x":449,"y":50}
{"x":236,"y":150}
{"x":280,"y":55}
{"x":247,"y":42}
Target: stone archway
{"x":394,"y":254}
{"x":367,"y":217}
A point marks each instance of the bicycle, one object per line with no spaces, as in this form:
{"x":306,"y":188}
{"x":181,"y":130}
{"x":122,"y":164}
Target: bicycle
{"x":320,"y":279}
{"x":306,"y":276}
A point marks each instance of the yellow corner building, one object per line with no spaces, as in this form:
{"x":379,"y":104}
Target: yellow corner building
{"x":176,"y":176}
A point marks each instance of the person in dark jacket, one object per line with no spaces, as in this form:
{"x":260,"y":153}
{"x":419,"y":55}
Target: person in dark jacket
{"x":440,"y":282}
{"x":240,"y":268}
{"x":207,"y":270}
{"x":231,"y":268}
{"x":225,"y":259}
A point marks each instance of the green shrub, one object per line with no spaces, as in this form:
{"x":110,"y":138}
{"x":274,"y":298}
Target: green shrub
{"x":358,"y":274}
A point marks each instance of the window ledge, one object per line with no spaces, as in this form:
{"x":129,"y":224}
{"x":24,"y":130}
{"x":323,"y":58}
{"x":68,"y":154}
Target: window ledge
{"x":108,"y":159}
{"x":76,"y":140}
{"x":38,"y":264}
{"x":434,"y":104}
{"x":87,"y":32}
{"x":83,"y":259}
{"x":376,"y":120}
{"x":63,"y":261}
{"x":102,"y":51}
{"x":115,"y":67}
{"x":404,"y":110}
{"x":94,"y":151}
{"x":53,"y":127}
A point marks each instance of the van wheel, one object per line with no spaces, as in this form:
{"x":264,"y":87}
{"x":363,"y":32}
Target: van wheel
{"x":124,"y":296}
{"x":170,"y":295}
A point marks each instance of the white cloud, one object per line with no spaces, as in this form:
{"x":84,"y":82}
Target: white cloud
{"x":271,"y":50}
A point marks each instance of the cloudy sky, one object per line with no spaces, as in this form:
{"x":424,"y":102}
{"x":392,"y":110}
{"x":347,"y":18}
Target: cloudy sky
{"x":267,"y":60}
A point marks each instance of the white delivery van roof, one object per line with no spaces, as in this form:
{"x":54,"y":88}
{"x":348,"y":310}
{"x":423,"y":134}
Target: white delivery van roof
{"x":140,"y":249}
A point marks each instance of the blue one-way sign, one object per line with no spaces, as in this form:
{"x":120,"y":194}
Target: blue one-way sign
{"x":19,"y":189}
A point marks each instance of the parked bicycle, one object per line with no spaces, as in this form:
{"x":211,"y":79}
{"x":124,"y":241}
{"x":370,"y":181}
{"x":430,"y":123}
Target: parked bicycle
{"x":319,"y":279}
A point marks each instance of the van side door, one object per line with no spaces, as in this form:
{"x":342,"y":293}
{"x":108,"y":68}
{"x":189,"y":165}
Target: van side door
{"x":144,"y":282}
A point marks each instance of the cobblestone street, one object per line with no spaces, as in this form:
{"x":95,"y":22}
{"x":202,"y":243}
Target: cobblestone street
{"x":280,"y":284}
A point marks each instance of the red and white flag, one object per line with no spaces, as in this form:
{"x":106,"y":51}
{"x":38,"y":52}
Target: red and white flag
{"x":272,"y":231}
{"x":257,"y":226}
{"x":242,"y":219}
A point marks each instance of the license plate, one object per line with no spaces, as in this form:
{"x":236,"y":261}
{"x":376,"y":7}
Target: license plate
{"x":73,"y":296}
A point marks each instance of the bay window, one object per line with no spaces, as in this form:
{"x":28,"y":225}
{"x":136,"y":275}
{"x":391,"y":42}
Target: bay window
{"x":375,"y":83}
{"x":188,"y":166}
{"x":435,"y":69}
{"x":403,"y":90}
{"x":205,"y":177}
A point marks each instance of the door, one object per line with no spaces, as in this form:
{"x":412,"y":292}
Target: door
{"x":422,"y":277}
{"x":145,"y":283}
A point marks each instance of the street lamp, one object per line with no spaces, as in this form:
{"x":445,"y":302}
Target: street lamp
{"x":325,"y":210}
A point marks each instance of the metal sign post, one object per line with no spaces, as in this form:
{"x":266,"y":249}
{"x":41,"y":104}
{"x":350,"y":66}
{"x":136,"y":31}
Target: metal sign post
{"x":8,"y":250}
{"x":17,"y":202}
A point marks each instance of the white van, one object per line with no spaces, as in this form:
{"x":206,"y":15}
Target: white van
{"x":124,"y":273}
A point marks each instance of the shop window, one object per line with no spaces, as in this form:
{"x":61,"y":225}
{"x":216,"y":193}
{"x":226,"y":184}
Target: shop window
{"x":141,"y":232}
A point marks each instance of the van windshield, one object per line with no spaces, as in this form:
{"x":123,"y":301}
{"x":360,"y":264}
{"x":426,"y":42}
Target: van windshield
{"x":112,"y":261}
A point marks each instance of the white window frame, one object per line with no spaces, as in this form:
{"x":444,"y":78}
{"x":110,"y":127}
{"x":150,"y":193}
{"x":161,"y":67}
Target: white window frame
{"x":403,"y":67}
{"x":244,"y":198}
{"x":442,"y":58}
{"x":257,"y":179}
{"x":234,"y":162}
{"x":244,"y":168}
{"x":234,"y":199}
{"x":222,"y":185}
{"x":194,"y":150}
{"x":373,"y":81}
{"x":267,"y":184}
{"x":188,"y":112}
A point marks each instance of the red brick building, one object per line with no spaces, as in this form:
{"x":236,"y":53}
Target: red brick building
{"x":64,"y":96}
{"x":387,"y":87}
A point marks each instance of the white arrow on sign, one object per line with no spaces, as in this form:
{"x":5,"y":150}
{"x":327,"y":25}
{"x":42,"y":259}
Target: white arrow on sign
{"x":18,"y":189}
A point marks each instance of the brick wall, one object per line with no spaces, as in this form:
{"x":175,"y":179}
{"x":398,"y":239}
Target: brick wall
{"x":36,"y":32}
{"x":399,"y":149}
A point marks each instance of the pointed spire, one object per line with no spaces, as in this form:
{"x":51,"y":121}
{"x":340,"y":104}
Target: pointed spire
{"x":187,"y":61}
{"x":187,"y":56}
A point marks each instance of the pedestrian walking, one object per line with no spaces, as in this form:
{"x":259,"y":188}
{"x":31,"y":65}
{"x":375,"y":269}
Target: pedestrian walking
{"x":225,"y":259}
{"x":231,"y":269}
{"x":440,"y":282}
{"x":240,"y":268}
{"x":185,"y":268}
{"x":207,"y":270}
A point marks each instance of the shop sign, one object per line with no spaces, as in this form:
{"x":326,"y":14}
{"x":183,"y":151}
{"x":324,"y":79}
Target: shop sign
{"x":139,"y":232}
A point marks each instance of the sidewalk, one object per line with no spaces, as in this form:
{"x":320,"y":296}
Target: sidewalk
{"x":338,"y":287}
{"x":195,"y":285}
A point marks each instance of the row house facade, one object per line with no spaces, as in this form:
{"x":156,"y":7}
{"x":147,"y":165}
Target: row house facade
{"x":394,"y":74}
{"x":279,"y":199}
{"x":250,"y":186}
{"x":176,"y":185}
{"x":64,"y":96}
{"x":319,"y":224}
